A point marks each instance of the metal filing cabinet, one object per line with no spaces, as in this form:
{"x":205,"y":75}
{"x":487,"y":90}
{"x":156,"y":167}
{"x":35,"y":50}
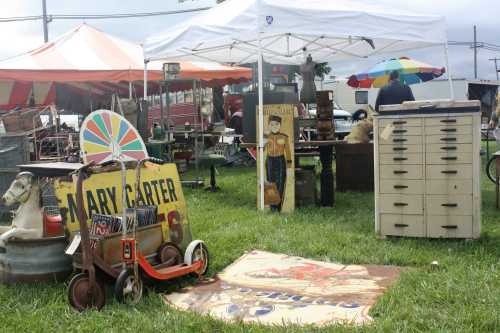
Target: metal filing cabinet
{"x":427,"y":170}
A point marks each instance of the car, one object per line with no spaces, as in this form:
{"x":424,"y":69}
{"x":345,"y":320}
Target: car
{"x":342,"y":121}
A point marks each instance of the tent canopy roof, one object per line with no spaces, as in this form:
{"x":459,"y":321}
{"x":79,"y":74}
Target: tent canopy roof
{"x":88,"y":54}
{"x":329,"y":30}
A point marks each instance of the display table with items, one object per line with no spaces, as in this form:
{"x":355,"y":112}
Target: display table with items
{"x":427,"y":170}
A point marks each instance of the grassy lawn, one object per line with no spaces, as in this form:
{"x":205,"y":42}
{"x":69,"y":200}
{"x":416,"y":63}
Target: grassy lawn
{"x":463,"y":295}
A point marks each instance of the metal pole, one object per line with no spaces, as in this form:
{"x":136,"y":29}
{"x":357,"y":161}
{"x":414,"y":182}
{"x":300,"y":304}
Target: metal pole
{"x":130,"y":89}
{"x":167,"y":104}
{"x":196,"y":147}
{"x":124,"y":202}
{"x":45,"y":22}
{"x":261,"y":127}
{"x":161,"y":107}
{"x":145,"y":95}
{"x":475,"y":52}
{"x":450,"y":80}
{"x":496,"y":65}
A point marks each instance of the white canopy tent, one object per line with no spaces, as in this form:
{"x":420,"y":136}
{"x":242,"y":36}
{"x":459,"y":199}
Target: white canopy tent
{"x":284,"y":31}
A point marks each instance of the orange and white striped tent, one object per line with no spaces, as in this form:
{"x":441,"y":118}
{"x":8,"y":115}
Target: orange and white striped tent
{"x":88,"y":59}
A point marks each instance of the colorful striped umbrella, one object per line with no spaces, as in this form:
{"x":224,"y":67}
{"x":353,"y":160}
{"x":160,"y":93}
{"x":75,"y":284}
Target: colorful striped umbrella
{"x":107,"y":136}
{"x":411,"y":72}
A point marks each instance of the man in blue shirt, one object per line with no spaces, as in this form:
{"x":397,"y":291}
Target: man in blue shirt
{"x":395,"y":92}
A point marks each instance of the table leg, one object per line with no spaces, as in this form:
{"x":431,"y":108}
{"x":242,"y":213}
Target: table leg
{"x":326,"y":178}
{"x":497,"y":194}
{"x":497,"y":178}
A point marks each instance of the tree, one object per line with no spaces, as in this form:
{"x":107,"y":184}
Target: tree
{"x":322,"y":69}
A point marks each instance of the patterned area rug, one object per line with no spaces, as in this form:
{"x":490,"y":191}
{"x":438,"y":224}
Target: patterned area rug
{"x":276,"y":289}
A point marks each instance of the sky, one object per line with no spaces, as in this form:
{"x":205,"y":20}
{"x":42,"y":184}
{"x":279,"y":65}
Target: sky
{"x":461,"y":16}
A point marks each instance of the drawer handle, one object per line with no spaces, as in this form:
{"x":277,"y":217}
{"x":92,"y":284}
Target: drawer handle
{"x":450,"y":205}
{"x":400,"y":204}
{"x":449,"y":139}
{"x":449,"y":121}
{"x":400,"y":159}
{"x":449,"y":227}
{"x":399,"y":122}
{"x":400,"y":187}
{"x":449,"y":148}
{"x":400,"y":225}
{"x":449,"y":158}
{"x":399,"y":140}
{"x":449,"y":130}
{"x":399,"y":131}
{"x":449,"y":172}
{"x":400,"y":172}
{"x":399,"y":148}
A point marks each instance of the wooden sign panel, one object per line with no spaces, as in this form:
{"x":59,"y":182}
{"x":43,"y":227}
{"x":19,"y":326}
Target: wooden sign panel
{"x":279,"y":161}
{"x":160,"y":187}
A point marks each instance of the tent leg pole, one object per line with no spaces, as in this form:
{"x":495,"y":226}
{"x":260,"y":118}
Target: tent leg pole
{"x":145,"y":95}
{"x":129,"y":89}
{"x":450,"y":80}
{"x":261,"y":128}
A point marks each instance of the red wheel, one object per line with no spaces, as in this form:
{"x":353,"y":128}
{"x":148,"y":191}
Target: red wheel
{"x":80,"y":295}
{"x":170,"y":255}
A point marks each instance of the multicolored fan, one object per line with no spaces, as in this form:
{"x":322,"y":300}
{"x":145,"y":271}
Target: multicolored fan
{"x":107,"y":136}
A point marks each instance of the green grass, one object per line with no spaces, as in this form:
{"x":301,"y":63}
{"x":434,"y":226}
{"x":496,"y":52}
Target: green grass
{"x":463,"y":295}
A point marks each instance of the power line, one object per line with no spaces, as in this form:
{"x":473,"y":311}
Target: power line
{"x":99,"y":16}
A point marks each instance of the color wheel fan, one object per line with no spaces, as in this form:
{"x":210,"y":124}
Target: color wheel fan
{"x":107,"y":136}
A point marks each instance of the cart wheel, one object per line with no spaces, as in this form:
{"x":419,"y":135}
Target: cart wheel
{"x":80,"y":295}
{"x":197,"y":251}
{"x":170,"y":255}
{"x":128,"y":288}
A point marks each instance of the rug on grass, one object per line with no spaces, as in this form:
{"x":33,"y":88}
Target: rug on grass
{"x":277,"y":289}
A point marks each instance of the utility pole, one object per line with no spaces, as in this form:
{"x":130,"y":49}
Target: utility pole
{"x":45,"y":22}
{"x":475,"y":52}
{"x":495,"y":60}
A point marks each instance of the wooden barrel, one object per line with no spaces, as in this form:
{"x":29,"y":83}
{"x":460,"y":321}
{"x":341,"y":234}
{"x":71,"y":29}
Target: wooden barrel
{"x":305,"y":186}
{"x":34,"y":260}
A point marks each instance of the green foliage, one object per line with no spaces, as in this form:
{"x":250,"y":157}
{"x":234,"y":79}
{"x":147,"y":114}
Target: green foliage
{"x":322,"y":69}
{"x":463,"y":295}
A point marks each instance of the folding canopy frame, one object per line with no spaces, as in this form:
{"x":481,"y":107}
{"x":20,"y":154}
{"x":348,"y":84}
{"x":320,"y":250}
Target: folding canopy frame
{"x":285,"y":31}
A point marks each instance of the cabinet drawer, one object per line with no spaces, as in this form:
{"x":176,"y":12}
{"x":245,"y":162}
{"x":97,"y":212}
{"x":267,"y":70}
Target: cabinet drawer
{"x":449,"y":205}
{"x":449,"y":226}
{"x":448,"y":121}
{"x":398,"y":123}
{"x":402,"y":225}
{"x":402,"y":140}
{"x":392,"y":186}
{"x":448,"y":139}
{"x":448,"y":130}
{"x":398,"y":159}
{"x":402,"y":131}
{"x":400,"y":149}
{"x":401,"y":172}
{"x":453,"y":187}
{"x":449,"y":171}
{"x":401,"y":204}
{"x":449,"y":148}
{"x":448,"y":158}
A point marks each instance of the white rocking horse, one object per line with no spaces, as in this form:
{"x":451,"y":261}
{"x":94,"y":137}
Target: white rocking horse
{"x":28,"y":219}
